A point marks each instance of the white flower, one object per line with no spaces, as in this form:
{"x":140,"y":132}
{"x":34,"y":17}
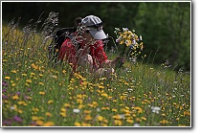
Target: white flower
{"x":12,"y":107}
{"x":98,"y":109}
{"x":117,"y":29}
{"x":130,"y":89}
{"x":134,"y":42}
{"x":125,"y":29}
{"x":76,"y":110}
{"x":155,"y":109}
{"x":127,"y":41}
{"x":141,"y":37}
{"x":118,"y":39}
{"x":136,"y":125}
{"x":122,"y":116}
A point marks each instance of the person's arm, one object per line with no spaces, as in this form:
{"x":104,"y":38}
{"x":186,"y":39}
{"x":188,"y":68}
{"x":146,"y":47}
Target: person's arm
{"x":102,"y":58}
{"x":112,"y":63}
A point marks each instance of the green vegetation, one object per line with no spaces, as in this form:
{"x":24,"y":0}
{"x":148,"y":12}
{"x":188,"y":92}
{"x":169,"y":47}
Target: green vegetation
{"x":36,"y":94}
{"x":165,"y":26}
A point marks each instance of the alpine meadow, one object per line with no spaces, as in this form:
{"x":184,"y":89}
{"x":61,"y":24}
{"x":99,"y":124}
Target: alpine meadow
{"x":38,"y":92}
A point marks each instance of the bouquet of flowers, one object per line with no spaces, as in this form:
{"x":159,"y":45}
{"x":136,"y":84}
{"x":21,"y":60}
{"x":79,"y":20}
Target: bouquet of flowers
{"x":130,"y":44}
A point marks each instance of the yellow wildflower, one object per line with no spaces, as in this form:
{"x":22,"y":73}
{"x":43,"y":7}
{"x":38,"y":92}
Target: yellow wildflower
{"x":7,"y":77}
{"x":49,"y":123}
{"x":77,"y":124}
{"x":42,"y":93}
{"x":48,"y":114}
{"x":15,"y":97}
{"x":88,"y":117}
{"x":50,"y":101}
{"x":118,"y":122}
{"x":39,"y":122}
{"x":100,"y":118}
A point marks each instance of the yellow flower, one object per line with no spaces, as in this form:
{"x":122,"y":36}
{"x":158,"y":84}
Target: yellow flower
{"x":35,"y":118}
{"x":42,"y":93}
{"x":144,"y":118}
{"x":114,"y":110}
{"x":49,"y":123}
{"x":86,"y":124}
{"x":63,"y":114}
{"x":39,"y":122}
{"x":88,"y":117}
{"x":129,"y":121}
{"x":77,"y":124}
{"x":14,"y":71}
{"x":7,"y":77}
{"x":95,"y":104}
{"x":15,"y":97}
{"x":66,"y":105}
{"x":80,"y":101}
{"x":41,"y":83}
{"x":87,"y":111}
{"x":22,"y":103}
{"x":118,"y":122}
{"x":121,"y":42}
{"x":35,"y":109}
{"x":138,"y":119}
{"x":13,"y":84}
{"x":50,"y":101}
{"x":81,"y":106}
{"x":48,"y":114}
{"x":128,"y":42}
{"x":32,"y":74}
{"x":28,"y":81}
{"x":63,"y":109}
{"x":19,"y":111}
{"x":64,"y":71}
{"x":116,"y":117}
{"x":23,"y":74}
{"x":121,"y":34}
{"x":139,"y":110}
{"x":104,"y":95}
{"x":105,"y":108}
{"x":164,"y":121}
{"x":100,"y":118}
{"x":186,"y":113}
{"x":34,"y":66}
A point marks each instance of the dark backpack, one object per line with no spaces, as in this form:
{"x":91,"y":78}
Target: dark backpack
{"x":59,"y":37}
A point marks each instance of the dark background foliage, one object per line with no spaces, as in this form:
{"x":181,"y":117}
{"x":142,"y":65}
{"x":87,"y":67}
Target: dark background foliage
{"x":165,"y":26}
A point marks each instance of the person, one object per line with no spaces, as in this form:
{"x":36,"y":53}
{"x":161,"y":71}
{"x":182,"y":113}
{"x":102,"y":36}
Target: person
{"x":59,"y":36}
{"x":84,"y":48}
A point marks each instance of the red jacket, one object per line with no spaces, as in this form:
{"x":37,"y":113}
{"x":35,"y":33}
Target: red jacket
{"x":68,"y":51}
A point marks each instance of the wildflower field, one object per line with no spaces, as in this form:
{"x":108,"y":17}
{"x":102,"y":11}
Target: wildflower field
{"x":34,"y":93}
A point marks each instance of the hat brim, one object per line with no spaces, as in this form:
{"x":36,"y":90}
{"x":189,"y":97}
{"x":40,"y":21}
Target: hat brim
{"x":98,"y":35}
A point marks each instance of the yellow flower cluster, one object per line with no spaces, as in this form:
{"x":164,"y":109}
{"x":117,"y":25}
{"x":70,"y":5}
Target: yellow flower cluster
{"x":128,"y":37}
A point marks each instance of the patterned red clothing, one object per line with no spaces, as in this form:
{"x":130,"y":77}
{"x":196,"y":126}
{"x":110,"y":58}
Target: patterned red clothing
{"x":68,"y":52}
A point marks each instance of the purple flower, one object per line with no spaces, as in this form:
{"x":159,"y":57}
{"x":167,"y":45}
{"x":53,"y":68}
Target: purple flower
{"x":29,"y":89}
{"x":26,"y":97}
{"x":6,"y":123}
{"x":5,"y":84}
{"x":17,"y":119}
{"x":33,"y":123}
{"x":18,"y":93}
{"x":4,"y":90}
{"x":4,"y":97}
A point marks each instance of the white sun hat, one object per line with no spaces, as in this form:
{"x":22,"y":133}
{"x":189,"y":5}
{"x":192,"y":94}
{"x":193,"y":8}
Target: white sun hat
{"x":94,"y":25}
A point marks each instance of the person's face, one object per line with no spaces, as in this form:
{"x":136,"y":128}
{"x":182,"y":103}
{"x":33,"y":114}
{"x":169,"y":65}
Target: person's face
{"x":88,"y":37}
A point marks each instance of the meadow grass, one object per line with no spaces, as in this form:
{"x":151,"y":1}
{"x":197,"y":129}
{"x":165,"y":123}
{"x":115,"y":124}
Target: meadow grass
{"x":36,"y":94}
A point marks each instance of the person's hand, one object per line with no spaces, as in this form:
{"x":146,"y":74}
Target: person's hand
{"x":120,"y":59}
{"x":118,"y":62}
